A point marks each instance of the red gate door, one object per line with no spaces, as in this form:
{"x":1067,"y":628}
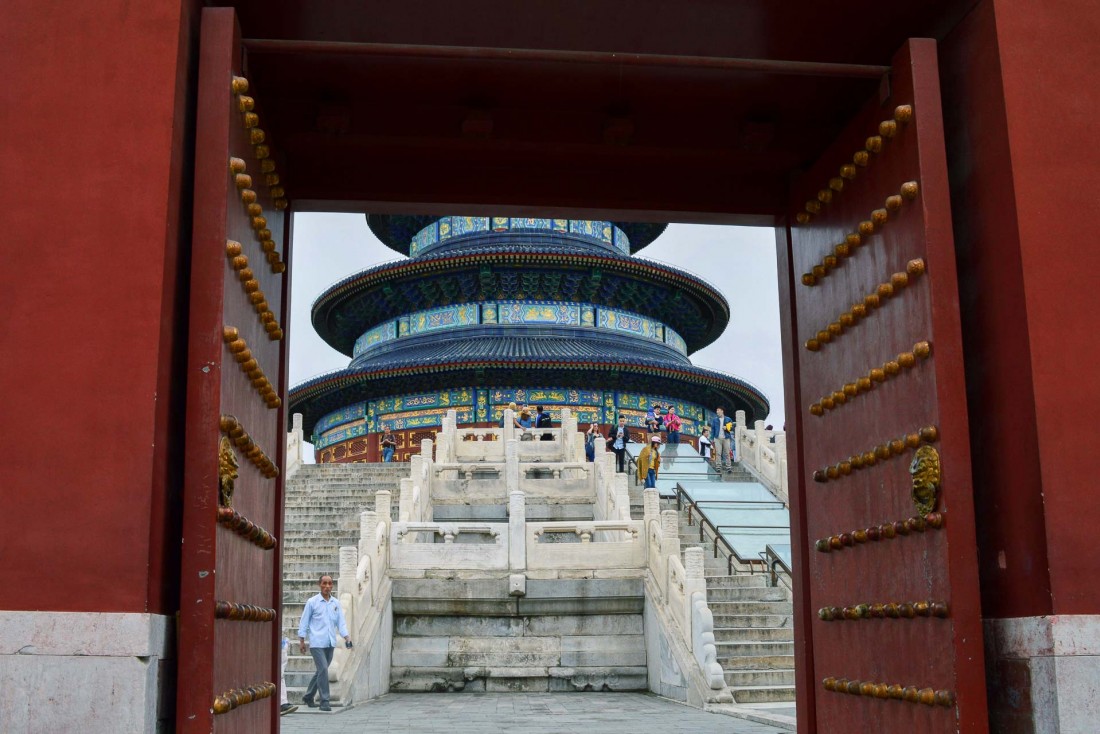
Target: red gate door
{"x":887,"y":594}
{"x":228,"y":633}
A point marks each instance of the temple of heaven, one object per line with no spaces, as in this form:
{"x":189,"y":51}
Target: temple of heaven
{"x":491,"y":310}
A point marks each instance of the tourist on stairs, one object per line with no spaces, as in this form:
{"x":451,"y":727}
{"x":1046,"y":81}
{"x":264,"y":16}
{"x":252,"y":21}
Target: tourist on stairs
{"x":389,"y":443}
{"x":321,"y":615}
{"x":721,"y":431}
{"x":617,"y":439}
{"x":673,"y":424}
{"x":590,"y":441}
{"x":704,"y":443}
{"x":649,"y":462}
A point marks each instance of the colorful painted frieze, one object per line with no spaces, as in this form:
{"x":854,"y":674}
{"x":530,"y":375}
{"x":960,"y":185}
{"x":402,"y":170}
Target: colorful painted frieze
{"x":468,"y":225}
{"x":622,"y":242}
{"x":346,"y":414}
{"x":529,"y":223}
{"x":609,"y":318}
{"x":421,"y":419}
{"x":424,"y":239}
{"x":675,"y":341}
{"x":340,"y":434}
{"x":465,"y":314}
{"x":538,"y":312}
{"x":543,"y":395}
{"x":379,"y":334}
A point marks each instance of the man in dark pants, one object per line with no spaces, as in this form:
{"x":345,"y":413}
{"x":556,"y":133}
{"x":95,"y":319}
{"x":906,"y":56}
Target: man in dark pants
{"x":321,"y":615}
{"x":542,"y":420}
{"x":617,"y":440}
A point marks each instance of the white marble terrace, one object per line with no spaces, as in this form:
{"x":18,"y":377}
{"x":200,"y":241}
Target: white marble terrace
{"x":489,"y":467}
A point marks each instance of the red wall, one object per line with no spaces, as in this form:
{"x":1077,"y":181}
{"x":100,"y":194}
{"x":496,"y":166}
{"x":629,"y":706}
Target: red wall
{"x":95,"y":161}
{"x":1021,"y":121}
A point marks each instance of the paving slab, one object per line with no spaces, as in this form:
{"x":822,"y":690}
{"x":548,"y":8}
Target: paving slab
{"x":529,"y":713}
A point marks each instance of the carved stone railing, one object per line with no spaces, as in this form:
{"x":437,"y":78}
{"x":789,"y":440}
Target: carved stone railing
{"x":679,"y":591}
{"x":482,"y":546}
{"x":416,"y":496}
{"x":364,"y":590}
{"x":458,"y":445}
{"x":597,"y":545}
{"x":764,"y":454}
{"x":294,"y":447}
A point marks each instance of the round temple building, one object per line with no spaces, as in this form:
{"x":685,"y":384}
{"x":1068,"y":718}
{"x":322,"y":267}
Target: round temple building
{"x":491,"y":310}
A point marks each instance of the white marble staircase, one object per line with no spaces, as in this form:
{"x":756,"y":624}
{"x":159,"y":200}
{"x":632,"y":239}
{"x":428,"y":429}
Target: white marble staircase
{"x":753,"y":627}
{"x":323,"y":502}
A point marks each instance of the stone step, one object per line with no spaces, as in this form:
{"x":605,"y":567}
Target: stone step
{"x":312,"y":569}
{"x":740,"y":621}
{"x":751,"y":593}
{"x":762,"y":694}
{"x":728,"y":650}
{"x":753,"y":634}
{"x":518,"y":680}
{"x":756,"y":662}
{"x":312,"y":554}
{"x":743,"y":678}
{"x":738,"y":580}
{"x":308,"y":524}
{"x":722,"y":608}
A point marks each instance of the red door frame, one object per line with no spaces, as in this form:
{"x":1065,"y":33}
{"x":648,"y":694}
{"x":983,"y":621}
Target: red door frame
{"x":215,"y":384}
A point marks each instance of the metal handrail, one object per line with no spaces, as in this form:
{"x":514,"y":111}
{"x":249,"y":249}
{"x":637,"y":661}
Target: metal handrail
{"x":729,"y":552}
{"x":775,"y":559}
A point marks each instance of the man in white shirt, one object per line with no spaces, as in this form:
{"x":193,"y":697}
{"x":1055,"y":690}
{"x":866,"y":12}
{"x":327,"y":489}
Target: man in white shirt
{"x":321,"y":615}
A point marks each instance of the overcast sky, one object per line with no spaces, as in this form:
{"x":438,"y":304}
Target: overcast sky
{"x":738,"y":261}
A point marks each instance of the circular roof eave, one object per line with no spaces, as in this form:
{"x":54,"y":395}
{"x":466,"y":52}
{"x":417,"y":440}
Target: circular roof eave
{"x":326,"y":304}
{"x":325,"y":393}
{"x":396,"y":231}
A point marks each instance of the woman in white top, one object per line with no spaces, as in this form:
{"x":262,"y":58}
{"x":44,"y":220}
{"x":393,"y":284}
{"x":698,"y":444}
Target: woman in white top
{"x":704,"y":442}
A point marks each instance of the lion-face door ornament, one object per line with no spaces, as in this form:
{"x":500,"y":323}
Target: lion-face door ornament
{"x":925,"y":471}
{"x":227,"y":472}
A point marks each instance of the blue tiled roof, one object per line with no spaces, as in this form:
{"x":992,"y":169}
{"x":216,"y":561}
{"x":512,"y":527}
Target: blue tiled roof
{"x":480,"y":270}
{"x":487,"y":343}
{"x":397,"y":230}
{"x":521,"y":362}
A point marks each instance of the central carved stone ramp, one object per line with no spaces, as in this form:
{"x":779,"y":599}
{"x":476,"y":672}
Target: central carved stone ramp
{"x":527,"y":648}
{"x":323,"y":502}
{"x":753,"y":626}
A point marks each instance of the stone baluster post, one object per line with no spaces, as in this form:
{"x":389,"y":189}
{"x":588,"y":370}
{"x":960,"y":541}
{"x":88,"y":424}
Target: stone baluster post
{"x":651,"y":502}
{"x":443,"y":448}
{"x":349,"y":562}
{"x":761,"y":439}
{"x":404,"y":504}
{"x":517,"y":531}
{"x":511,"y":466}
{"x":427,"y":480}
{"x":368,"y":527}
{"x":738,"y":432}
{"x":509,"y":431}
{"x":781,"y":465}
{"x":693,"y":563}
{"x":382,"y":501}
{"x":670,"y":533}
{"x":568,"y":435}
{"x":294,"y":440}
{"x":622,"y":498}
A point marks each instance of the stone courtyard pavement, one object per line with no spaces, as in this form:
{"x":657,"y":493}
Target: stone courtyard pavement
{"x":523,"y":713}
